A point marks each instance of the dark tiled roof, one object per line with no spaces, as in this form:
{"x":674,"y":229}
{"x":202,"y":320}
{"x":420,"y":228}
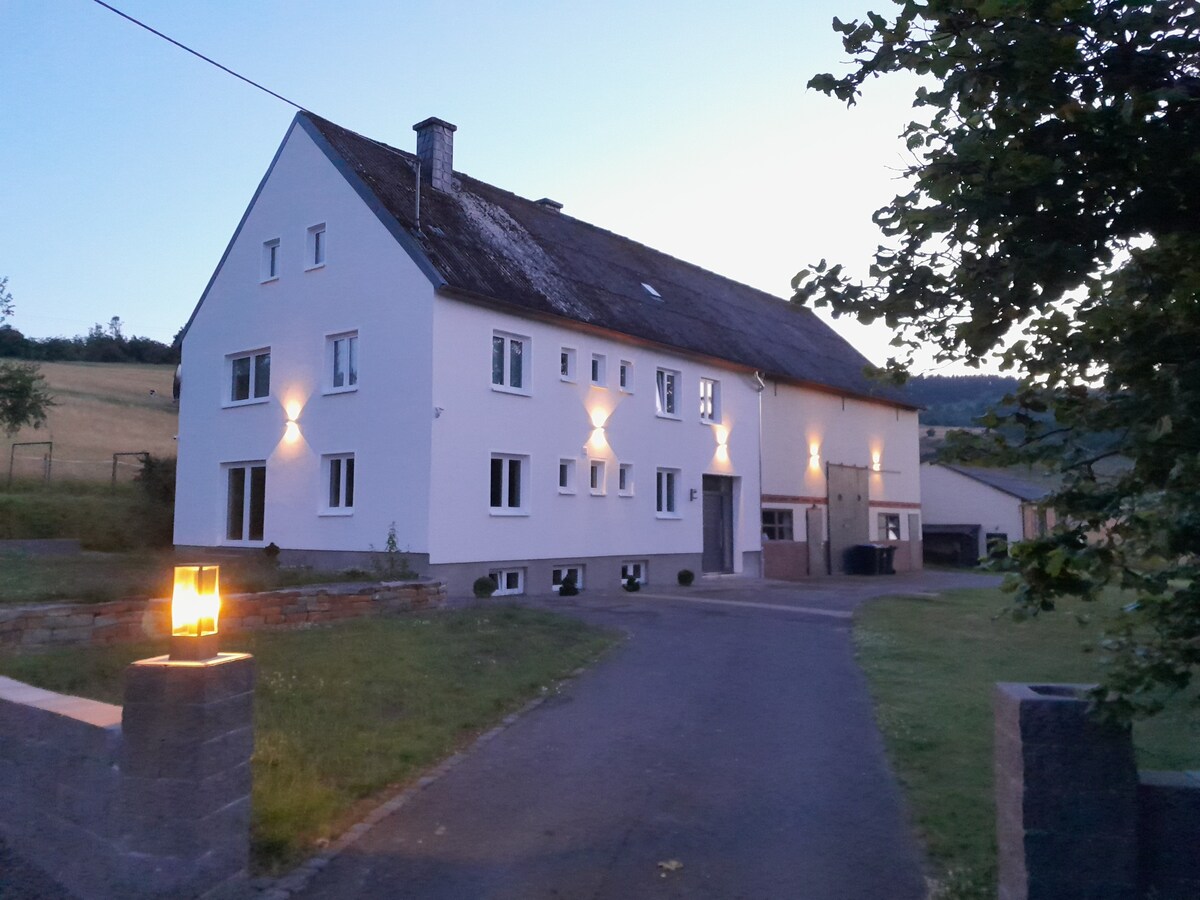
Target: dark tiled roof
{"x":493,"y":245}
{"x":1022,"y":485}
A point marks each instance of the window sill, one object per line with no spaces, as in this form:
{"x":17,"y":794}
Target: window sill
{"x":508,"y":512}
{"x":625,"y":494}
{"x":229,"y":543}
{"x":704,"y":421}
{"x":599,"y":384}
{"x":504,"y":389}
{"x":565,"y":492}
{"x":336,"y":513}
{"x":339,"y":390}
{"x":668,"y":516}
{"x":269,"y":280}
{"x":254,"y":401}
{"x":671,"y":416}
{"x":567,"y":380}
{"x":598,"y":493}
{"x":314,"y":268}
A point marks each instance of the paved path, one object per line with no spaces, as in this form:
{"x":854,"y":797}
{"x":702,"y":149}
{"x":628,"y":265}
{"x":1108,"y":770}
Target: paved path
{"x":731,"y":732}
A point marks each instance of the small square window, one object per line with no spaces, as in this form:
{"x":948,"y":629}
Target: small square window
{"x":249,"y":376}
{"x":566,"y":476}
{"x":777,"y":524}
{"x":316,"y":246}
{"x":342,"y":361}
{"x":625,"y":376}
{"x":635,"y":569}
{"x":667,"y":490}
{"x":563,"y":573}
{"x":596,"y":477}
{"x":666,"y":399}
{"x":599,"y":367}
{"x":506,"y":490}
{"x":625,"y":480}
{"x":270,"y":260}
{"x":339,"y":480}
{"x":566,"y":363}
{"x":509,"y":353}
{"x":889,"y":526}
{"x":508,"y":581}
{"x":710,"y":400}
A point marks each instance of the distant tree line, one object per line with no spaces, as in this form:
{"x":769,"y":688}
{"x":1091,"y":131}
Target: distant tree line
{"x":102,"y":343}
{"x":958,"y":399}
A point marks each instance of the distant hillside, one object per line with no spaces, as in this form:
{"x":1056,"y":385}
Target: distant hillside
{"x":957,"y":399}
{"x":102,"y":409}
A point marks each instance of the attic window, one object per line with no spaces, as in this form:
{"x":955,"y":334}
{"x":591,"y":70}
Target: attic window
{"x":651,"y":291}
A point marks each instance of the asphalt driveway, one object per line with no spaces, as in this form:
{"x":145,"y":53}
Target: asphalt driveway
{"x":731,"y":734}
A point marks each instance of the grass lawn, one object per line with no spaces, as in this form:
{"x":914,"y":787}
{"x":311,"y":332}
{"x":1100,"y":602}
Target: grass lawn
{"x":931,"y":664}
{"x":344,"y":712}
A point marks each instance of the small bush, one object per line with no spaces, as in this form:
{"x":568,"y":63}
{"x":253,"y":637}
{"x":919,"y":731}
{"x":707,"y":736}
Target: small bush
{"x":484,"y":587}
{"x":632,"y":584}
{"x":686,"y":577}
{"x":568,"y":588}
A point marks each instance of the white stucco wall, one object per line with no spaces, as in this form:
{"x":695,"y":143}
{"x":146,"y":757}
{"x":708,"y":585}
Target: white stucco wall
{"x":554,"y":422}
{"x":951,"y":498}
{"x":367,"y":284}
{"x":841,"y":431}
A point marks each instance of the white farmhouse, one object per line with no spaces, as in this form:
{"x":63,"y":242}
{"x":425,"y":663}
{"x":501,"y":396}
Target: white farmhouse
{"x":390,"y":343}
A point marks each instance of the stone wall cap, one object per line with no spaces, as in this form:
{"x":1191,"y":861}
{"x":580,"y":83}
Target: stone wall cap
{"x":91,"y":712}
{"x":163,"y":661}
{"x":1048,"y":692}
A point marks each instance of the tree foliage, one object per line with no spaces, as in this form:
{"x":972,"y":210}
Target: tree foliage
{"x":1051,"y":220}
{"x":24,"y":398}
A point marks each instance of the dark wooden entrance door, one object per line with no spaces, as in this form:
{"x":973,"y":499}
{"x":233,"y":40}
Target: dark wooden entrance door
{"x":849,"y":512}
{"x":718,"y":524}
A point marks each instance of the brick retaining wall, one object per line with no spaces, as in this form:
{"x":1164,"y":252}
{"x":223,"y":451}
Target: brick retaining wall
{"x":123,"y":621}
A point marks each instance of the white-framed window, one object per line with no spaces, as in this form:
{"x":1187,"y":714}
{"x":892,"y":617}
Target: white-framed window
{"x":510,"y":353}
{"x":889,"y":526}
{"x":667,"y":502}
{"x":508,"y":581}
{"x":341,"y":361}
{"x":566,"y":364}
{"x":270,"y":260}
{"x":625,"y":479}
{"x":666,"y":398}
{"x":777,"y":525}
{"x":249,"y":376}
{"x":596,"y":483}
{"x":625,"y":376}
{"x":507,"y":484}
{"x":562,"y":573}
{"x":338,"y":469}
{"x":634,"y":568}
{"x":599,"y":369}
{"x":245,"y":501}
{"x":566,"y":475}
{"x":315,"y":257}
{"x":710,"y":400}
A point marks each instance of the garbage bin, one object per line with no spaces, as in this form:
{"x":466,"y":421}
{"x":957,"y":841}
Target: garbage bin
{"x":862,"y":559}
{"x":887,"y":560}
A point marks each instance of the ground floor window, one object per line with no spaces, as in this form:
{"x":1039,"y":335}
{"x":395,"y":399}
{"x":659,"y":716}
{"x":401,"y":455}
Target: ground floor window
{"x":889,"y":526}
{"x":562,"y":573}
{"x":508,"y":581}
{"x":507,"y":477}
{"x":635,"y":569}
{"x":245,"y":501}
{"x":667,"y":481}
{"x":339,"y":476}
{"x":777,"y":525}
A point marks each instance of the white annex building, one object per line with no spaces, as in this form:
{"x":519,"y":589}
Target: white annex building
{"x":388,"y":342}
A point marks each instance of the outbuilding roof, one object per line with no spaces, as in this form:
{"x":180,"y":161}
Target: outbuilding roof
{"x":485,"y":244}
{"x":1022,"y":485}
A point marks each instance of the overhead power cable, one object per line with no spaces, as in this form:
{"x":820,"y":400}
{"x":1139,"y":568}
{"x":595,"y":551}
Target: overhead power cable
{"x":201,"y":56}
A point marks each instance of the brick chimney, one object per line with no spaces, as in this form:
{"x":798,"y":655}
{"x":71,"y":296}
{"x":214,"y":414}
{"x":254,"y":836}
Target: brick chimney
{"x":435,"y":149}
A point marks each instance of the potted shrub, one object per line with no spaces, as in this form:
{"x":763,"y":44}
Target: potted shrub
{"x":568,"y":588}
{"x":686,"y":577}
{"x":484,"y":587}
{"x":632,"y":584}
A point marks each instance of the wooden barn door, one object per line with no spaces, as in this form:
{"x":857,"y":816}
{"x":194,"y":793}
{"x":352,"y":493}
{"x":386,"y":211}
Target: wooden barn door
{"x":849,"y":512}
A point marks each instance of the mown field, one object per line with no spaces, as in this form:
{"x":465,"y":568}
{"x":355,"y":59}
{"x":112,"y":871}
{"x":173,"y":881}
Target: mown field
{"x":100,"y":409}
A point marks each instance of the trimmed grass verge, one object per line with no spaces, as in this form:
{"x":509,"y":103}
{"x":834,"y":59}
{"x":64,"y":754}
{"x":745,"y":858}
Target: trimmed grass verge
{"x":343,"y":713}
{"x":931,"y":664}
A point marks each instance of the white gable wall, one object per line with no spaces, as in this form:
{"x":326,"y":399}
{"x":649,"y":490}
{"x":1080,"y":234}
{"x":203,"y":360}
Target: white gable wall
{"x":555,"y":421}
{"x":951,"y":498}
{"x":369,"y":285}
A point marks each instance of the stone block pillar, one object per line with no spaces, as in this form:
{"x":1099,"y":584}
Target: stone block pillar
{"x":185,"y":772}
{"x":1066,"y":798}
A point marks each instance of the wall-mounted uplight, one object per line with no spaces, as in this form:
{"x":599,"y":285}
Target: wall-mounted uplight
{"x":291,"y":431}
{"x":597,"y":442}
{"x":721,"y":433}
{"x":195,"y":607}
{"x":876,"y":463}
{"x":814,"y":455}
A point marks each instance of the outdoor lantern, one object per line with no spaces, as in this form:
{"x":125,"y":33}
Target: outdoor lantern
{"x":195,"y":605}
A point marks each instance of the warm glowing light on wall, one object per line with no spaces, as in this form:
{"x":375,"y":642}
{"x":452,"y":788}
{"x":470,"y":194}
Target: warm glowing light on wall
{"x":876,"y":463}
{"x":291,"y":431}
{"x":195,"y":608}
{"x":814,"y":455}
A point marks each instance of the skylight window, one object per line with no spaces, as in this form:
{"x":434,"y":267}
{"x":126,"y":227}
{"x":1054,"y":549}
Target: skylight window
{"x":651,"y":291}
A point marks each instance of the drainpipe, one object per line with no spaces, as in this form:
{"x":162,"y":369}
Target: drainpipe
{"x":760,"y":385}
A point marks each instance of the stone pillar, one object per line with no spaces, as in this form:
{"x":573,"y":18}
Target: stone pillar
{"x":1066,"y":798}
{"x":185,"y":772}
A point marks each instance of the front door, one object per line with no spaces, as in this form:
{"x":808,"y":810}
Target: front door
{"x":718,"y":524}
{"x":849,"y":512}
